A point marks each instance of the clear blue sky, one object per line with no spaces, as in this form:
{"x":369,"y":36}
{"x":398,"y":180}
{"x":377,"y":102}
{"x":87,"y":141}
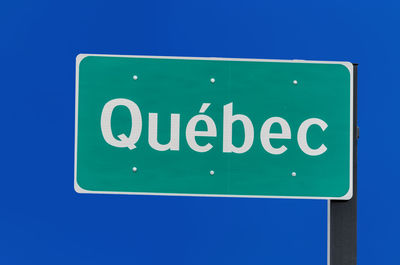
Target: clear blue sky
{"x":42,"y":219}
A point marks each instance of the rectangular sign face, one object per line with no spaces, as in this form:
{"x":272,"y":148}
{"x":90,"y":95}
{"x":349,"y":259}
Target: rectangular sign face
{"x":213,"y":127}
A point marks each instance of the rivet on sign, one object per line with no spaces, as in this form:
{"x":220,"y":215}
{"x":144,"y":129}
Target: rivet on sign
{"x":294,"y":174}
{"x":212,"y":172}
{"x":135,"y":77}
{"x":295,"y":82}
{"x":212,"y":80}
{"x":134,"y":169}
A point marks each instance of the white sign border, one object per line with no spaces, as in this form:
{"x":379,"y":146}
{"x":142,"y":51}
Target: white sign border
{"x":348,"y":65}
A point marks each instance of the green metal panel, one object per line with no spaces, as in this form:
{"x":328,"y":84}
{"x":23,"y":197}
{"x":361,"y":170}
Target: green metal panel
{"x":257,"y":89}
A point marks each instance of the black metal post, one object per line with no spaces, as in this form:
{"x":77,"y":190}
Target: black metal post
{"x":342,"y":215}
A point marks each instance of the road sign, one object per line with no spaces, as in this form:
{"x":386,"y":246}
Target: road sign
{"x":213,"y":127}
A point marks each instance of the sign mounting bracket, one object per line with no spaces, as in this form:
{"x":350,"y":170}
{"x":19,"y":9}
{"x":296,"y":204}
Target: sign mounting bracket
{"x":342,"y":215}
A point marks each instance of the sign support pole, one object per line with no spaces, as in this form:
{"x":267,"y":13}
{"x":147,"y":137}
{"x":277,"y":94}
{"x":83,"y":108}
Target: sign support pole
{"x":342,"y":215}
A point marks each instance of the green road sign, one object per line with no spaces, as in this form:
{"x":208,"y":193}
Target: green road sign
{"x":213,"y":127}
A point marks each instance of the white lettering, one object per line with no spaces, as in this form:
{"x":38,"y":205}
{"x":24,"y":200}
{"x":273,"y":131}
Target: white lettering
{"x":229,"y":119}
{"x":302,"y":136}
{"x":136,"y":128}
{"x":174,"y":138}
{"x":191,"y":132}
{"x":266,"y":135}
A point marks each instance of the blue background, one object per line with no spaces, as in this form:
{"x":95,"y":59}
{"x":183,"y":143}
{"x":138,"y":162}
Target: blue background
{"x":42,"y":219}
